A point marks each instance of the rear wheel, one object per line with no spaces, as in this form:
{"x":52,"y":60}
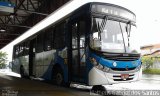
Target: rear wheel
{"x":22,"y":71}
{"x":58,"y":77}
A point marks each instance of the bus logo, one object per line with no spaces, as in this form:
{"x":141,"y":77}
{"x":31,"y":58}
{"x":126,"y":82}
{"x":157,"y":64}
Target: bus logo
{"x":114,"y":64}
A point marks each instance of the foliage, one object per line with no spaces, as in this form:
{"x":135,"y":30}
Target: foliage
{"x":3,"y":59}
{"x":147,"y":61}
{"x":151,"y":71}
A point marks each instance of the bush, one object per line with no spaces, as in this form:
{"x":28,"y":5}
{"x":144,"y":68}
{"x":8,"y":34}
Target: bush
{"x":151,"y":71}
{"x":3,"y":60}
{"x":147,"y":61}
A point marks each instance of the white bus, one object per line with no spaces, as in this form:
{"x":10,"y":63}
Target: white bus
{"x":90,"y":45}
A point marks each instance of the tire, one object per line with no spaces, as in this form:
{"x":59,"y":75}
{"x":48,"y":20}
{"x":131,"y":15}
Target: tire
{"x":59,"y":78}
{"x":22,"y":72}
{"x":98,"y":88}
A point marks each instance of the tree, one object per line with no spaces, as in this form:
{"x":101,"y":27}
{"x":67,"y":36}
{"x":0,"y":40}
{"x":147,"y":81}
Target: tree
{"x":148,"y":61}
{"x":3,"y":59}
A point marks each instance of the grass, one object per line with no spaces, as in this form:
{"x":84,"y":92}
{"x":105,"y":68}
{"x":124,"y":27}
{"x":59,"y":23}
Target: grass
{"x":151,"y":71}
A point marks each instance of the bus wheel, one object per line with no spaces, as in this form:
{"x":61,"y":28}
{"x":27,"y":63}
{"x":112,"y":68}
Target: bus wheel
{"x":98,"y":88}
{"x":59,"y":78}
{"x":22,"y":71}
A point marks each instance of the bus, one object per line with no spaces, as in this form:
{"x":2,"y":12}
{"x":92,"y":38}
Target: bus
{"x":92,"y":45}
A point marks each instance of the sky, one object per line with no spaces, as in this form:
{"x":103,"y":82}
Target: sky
{"x":148,"y":21}
{"x":147,"y":16}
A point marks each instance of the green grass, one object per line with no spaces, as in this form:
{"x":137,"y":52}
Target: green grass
{"x":151,"y":71}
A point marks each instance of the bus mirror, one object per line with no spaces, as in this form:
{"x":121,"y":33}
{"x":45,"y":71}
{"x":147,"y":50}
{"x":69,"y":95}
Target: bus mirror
{"x":97,"y":43}
{"x":128,"y":29}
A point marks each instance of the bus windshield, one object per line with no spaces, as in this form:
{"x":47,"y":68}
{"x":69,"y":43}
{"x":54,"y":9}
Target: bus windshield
{"x":112,"y":36}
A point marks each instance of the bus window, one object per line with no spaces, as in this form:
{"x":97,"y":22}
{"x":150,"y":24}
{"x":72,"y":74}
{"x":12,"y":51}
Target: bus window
{"x":39,"y":47}
{"x":48,"y":39}
{"x":26,"y":48}
{"x":59,"y":40}
{"x":74,"y":36}
{"x":82,"y":28}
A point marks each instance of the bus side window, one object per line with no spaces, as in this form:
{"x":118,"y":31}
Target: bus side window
{"x":15,"y":51}
{"x":48,"y":39}
{"x":26,"y":48}
{"x":39,"y":47}
{"x":59,"y":40}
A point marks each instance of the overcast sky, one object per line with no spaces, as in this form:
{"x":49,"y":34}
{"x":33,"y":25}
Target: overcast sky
{"x":148,"y":21}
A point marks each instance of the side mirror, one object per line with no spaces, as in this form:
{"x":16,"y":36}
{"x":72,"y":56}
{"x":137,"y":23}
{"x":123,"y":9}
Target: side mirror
{"x":97,"y":43}
{"x":128,"y":29}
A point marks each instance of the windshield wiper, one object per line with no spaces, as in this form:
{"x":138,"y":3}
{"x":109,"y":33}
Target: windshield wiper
{"x":102,"y":26}
{"x":122,"y":37}
{"x":128,"y":30}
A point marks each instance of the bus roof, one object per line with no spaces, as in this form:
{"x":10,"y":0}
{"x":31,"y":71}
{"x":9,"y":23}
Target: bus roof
{"x":57,"y":15}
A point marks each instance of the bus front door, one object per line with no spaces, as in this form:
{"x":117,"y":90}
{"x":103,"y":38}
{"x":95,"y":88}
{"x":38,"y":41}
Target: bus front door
{"x":78,"y":60}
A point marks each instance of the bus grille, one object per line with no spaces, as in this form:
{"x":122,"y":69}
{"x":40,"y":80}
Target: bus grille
{"x":122,"y":79}
{"x":118,"y":77}
{"x":123,"y":69}
{"x":123,"y":58}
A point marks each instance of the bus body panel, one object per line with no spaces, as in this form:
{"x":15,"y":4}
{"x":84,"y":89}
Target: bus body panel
{"x":48,"y":59}
{"x":24,"y":60}
{"x":98,"y":77}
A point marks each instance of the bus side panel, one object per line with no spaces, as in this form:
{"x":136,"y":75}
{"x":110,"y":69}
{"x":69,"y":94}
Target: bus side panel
{"x":51,"y":58}
{"x":24,"y":61}
{"x":61,"y":59}
{"x":39,"y":64}
{"x":48,"y":60}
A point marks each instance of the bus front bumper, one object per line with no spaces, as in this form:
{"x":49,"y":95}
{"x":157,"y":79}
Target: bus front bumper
{"x":99,"y":77}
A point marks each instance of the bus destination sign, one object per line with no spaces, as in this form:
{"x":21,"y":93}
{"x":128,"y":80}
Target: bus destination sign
{"x":115,"y":11}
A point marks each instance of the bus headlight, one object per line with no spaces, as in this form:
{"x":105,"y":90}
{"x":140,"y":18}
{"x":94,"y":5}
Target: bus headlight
{"x":98,"y":65}
{"x":103,"y":68}
{"x":93,"y":61}
{"x":106,"y":69}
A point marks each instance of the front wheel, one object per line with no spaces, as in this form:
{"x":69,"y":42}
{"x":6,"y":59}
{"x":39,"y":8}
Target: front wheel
{"x":98,"y":89}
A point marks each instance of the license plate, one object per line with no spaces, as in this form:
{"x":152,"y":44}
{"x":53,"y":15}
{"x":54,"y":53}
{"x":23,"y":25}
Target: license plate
{"x":124,"y":76}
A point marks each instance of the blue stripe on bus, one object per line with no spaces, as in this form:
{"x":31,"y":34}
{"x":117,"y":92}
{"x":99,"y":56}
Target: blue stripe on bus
{"x":58,"y":60}
{"x":48,"y":74}
{"x":7,"y":4}
{"x":120,"y":64}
